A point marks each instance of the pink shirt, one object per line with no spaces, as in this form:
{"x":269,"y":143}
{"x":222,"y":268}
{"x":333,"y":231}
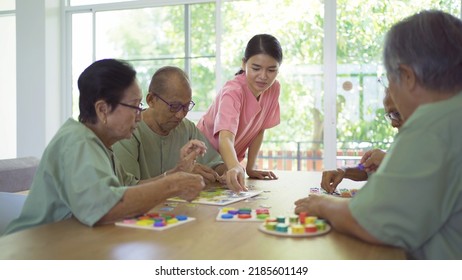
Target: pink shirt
{"x":237,"y":110}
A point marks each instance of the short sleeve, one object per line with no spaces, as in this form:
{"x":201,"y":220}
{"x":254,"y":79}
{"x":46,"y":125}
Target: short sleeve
{"x":92,"y":186}
{"x":212,"y":158}
{"x":404,"y":196}
{"x":127,"y":152}
{"x":229,"y":109}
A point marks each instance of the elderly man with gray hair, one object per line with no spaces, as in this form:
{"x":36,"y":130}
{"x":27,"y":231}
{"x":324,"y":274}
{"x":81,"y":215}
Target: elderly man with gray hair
{"x":414,"y":200}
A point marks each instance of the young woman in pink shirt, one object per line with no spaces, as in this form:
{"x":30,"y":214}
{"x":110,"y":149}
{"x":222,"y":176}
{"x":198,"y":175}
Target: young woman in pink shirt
{"x":244,"y":108}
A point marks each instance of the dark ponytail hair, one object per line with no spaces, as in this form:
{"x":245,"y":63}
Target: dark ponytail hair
{"x":263,"y":44}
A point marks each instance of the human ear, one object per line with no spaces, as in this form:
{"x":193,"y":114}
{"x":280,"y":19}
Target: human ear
{"x":101,"y":109}
{"x":408,"y":77}
{"x":244,"y":62}
{"x":150,"y":98}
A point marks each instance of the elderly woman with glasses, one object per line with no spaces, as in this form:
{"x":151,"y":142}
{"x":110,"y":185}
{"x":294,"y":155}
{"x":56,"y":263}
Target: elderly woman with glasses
{"x":79,"y":176}
{"x":156,"y":142}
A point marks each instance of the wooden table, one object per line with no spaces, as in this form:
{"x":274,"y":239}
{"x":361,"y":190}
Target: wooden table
{"x":202,"y":239}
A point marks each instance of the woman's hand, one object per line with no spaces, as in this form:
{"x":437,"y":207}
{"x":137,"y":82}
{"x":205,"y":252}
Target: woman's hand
{"x":261,"y":174}
{"x":235,"y":179}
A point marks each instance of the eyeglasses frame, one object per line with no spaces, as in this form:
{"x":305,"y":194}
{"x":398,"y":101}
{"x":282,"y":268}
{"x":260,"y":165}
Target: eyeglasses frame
{"x":381,"y":80}
{"x":183,"y":107}
{"x":138,"y":108}
{"x":393,"y":116}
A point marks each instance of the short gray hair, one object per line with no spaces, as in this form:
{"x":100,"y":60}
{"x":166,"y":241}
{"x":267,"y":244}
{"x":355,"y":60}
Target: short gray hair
{"x":166,"y":77}
{"x":430,"y":42}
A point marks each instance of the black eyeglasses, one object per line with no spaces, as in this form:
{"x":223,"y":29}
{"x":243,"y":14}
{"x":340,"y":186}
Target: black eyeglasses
{"x":383,"y":80}
{"x":140,"y":108}
{"x":176,"y":107}
{"x":393,"y":116}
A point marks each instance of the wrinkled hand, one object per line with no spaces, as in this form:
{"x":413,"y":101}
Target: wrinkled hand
{"x":187,"y":163}
{"x":193,"y":146}
{"x":188,"y":154}
{"x":261,"y":174}
{"x":209,"y":175}
{"x":222,"y":179}
{"x":331,"y":179}
{"x":308,"y":205}
{"x":235,"y":179}
{"x":372,"y":159}
{"x":189,"y":185}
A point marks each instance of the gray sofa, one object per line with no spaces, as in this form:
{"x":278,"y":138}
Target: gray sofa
{"x":16,"y":174}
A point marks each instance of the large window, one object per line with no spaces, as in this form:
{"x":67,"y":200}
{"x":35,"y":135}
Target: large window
{"x":149,"y":38}
{"x":207,"y":39}
{"x":8,"y":79}
{"x":361,"y":26}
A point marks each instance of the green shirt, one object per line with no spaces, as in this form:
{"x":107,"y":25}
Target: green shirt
{"x":414,"y":200}
{"x":77,"y":176}
{"x":148,"y":154}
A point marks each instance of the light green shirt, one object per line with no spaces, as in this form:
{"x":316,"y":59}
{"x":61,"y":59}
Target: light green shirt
{"x":414,"y":200}
{"x":148,"y":154}
{"x":77,"y":176}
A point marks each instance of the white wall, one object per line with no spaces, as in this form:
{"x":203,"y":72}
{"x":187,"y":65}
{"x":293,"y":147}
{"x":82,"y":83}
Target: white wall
{"x":8,"y":87}
{"x":38,"y":74}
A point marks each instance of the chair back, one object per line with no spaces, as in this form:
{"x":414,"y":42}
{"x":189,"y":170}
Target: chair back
{"x":10,"y":208}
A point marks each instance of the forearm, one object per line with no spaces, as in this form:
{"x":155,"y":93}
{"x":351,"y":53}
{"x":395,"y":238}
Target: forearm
{"x":337,"y":212}
{"x":254,"y":149}
{"x":226,"y":149}
{"x":141,"y":182}
{"x":220,"y":169}
{"x":140,"y":199}
{"x":355,"y":174}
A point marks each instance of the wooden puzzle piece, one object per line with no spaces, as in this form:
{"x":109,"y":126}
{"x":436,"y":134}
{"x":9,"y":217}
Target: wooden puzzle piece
{"x":300,"y":225}
{"x":342,"y":192}
{"x":229,"y":214}
{"x":155,"y":221}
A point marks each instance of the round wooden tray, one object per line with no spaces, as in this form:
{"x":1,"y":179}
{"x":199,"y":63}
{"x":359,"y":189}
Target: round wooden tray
{"x":290,"y":234}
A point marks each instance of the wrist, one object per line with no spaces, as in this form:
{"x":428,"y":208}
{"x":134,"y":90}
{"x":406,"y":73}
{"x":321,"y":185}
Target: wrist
{"x":170,"y":185}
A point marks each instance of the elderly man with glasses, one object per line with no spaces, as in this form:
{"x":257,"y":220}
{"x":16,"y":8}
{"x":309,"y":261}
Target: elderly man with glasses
{"x":370,"y":160}
{"x":414,"y":200}
{"x":155,"y":146}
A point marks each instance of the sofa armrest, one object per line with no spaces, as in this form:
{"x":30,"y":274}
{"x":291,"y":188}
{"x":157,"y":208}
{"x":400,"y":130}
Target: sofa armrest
{"x":16,"y":174}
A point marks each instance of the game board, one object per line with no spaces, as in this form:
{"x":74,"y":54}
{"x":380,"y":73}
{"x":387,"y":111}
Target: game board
{"x":341,"y":192}
{"x":229,"y":214}
{"x":219,"y":196}
{"x":155,"y":221}
{"x":300,"y":225}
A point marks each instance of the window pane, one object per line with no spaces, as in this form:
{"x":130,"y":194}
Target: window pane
{"x":203,"y":60}
{"x":7,"y":5}
{"x":147,"y":38}
{"x":150,"y":38}
{"x":8,"y":86}
{"x":361,"y":26}
{"x":81,"y":53}
{"x":298,"y":24}
{"x":92,"y":2}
